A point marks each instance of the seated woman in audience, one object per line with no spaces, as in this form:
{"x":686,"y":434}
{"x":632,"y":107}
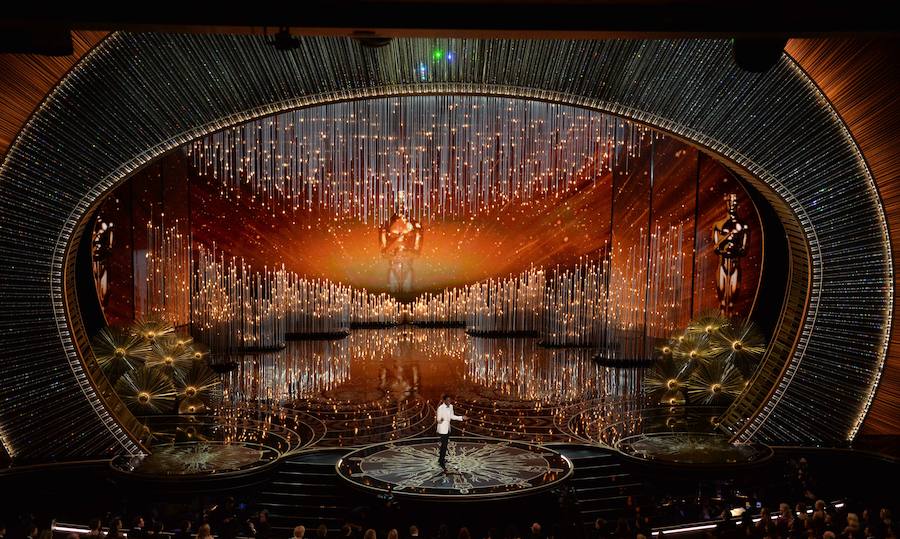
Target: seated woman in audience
{"x":852,"y":530}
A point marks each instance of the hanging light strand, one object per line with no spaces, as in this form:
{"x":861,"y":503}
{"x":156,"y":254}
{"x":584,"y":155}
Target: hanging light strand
{"x":434,"y":157}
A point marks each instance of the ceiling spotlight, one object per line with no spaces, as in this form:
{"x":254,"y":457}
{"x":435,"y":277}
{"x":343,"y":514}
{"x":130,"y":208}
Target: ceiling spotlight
{"x":284,"y":41}
{"x":757,"y":55}
{"x":370,"y":39}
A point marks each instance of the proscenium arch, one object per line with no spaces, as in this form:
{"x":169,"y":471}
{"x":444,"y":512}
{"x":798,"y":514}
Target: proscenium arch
{"x":137,"y":96}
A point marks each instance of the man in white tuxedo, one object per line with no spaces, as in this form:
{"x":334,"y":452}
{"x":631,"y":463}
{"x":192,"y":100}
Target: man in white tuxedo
{"x":444,"y":417}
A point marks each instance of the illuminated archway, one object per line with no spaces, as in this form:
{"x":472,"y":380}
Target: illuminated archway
{"x":138,"y":95}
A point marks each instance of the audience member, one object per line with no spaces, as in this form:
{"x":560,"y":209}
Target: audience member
{"x":115,"y":529}
{"x":885,"y":515}
{"x":137,"y":530}
{"x":622,"y":530}
{"x":726,"y":528}
{"x":852,"y":530}
{"x":155,"y":531}
{"x":184,"y":531}
{"x":847,"y":520}
{"x":225,"y":518}
{"x":96,"y":531}
{"x":261,"y":527}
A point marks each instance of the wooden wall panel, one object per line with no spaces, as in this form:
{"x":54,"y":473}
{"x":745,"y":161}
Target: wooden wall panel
{"x":26,"y":78}
{"x":860,"y":77}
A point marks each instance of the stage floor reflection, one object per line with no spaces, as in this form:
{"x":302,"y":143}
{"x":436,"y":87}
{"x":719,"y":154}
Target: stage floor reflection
{"x":382,"y":384}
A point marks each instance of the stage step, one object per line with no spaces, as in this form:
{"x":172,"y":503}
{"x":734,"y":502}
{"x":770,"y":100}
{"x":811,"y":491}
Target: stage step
{"x":299,"y":495}
{"x":604,"y":476}
{"x":295,"y":485}
{"x":296,"y":510}
{"x":602,"y":483}
{"x":306,"y":490}
{"x":587,"y":471}
{"x":621,"y":487}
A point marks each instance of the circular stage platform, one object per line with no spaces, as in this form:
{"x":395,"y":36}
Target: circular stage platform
{"x":197,"y":459}
{"x":478,"y":468}
{"x":692,"y":449}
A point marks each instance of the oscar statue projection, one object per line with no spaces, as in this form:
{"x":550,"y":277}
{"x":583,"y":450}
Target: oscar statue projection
{"x":401,"y":242}
{"x":101,"y":250}
{"x":730,"y":237}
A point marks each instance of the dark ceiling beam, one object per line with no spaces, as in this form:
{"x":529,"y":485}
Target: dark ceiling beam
{"x":49,"y":40}
{"x":497,"y":18}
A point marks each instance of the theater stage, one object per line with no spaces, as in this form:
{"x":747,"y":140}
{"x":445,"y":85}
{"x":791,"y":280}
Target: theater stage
{"x":476,"y":468}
